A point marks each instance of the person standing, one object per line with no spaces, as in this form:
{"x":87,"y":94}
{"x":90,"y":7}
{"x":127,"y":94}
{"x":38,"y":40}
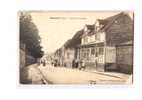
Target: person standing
{"x":82,"y":64}
{"x":76,"y":63}
{"x":73,"y":63}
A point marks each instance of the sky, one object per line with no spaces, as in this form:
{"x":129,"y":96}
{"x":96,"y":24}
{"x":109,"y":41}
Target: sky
{"x":56,"y":27}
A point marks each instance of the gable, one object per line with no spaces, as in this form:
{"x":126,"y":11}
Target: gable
{"x":121,"y":30}
{"x":121,"y":24}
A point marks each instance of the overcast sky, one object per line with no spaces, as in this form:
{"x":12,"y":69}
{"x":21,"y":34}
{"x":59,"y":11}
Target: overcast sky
{"x":55,"y":28}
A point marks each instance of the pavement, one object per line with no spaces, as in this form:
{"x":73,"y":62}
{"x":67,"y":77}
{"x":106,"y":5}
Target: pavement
{"x":31,"y":75}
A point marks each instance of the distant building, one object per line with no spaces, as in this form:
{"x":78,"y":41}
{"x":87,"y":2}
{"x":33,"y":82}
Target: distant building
{"x":68,"y":52}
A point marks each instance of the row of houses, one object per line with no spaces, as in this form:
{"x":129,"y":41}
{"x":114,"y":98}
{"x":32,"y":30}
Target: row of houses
{"x":107,"y":45}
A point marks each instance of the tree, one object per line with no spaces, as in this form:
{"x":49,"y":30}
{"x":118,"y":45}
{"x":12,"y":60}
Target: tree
{"x":29,"y":35}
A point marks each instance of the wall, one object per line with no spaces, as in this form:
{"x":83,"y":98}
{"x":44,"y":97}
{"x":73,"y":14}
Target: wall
{"x":110,"y":54}
{"x":121,"y":30}
{"x":95,"y":38}
{"x":110,"y":58}
{"x":69,"y":55}
{"x":125,"y":59}
{"x":22,"y":58}
{"x":25,"y":59}
{"x":30,"y":60}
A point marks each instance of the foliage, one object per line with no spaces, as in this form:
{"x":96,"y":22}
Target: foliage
{"x":29,"y":35}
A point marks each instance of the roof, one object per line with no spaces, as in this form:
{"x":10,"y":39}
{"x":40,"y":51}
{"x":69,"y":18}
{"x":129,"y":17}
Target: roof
{"x":102,"y":21}
{"x":76,"y":40}
{"x":67,"y":43}
{"x":90,"y":27}
{"x":109,"y":21}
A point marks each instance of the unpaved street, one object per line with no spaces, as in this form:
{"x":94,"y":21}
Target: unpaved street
{"x":38,"y":74}
{"x":62,"y":75}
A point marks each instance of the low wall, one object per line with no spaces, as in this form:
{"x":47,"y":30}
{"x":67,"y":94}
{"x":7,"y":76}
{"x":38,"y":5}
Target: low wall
{"x":26,"y":60}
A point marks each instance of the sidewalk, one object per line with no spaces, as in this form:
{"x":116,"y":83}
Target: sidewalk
{"x":127,"y":77}
{"x":31,"y":75}
{"x":111,"y":74}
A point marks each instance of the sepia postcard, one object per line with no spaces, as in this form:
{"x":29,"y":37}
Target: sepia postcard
{"x":76,"y":47}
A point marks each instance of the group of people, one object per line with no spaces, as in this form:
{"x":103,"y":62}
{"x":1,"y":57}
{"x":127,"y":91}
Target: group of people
{"x":78,"y":64}
{"x":54,"y":62}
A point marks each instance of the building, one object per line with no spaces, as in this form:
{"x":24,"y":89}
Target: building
{"x":68,"y":52}
{"x":100,"y":42}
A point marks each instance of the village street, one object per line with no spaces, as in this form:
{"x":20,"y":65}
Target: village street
{"x":99,"y":53}
{"x":61,"y":75}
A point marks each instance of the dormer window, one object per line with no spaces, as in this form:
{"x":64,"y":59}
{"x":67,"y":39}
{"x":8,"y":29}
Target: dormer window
{"x":85,"y":39}
{"x":88,"y":29}
{"x":99,"y":24}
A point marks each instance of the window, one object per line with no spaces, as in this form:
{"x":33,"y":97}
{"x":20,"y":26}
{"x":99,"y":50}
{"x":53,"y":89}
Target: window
{"x":96,"y":52}
{"x":82,"y":53}
{"x":85,"y":40}
{"x":93,"y":51}
{"x":97,"y":37}
{"x":101,"y":50}
{"x":102,"y":36}
{"x":87,"y":54}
